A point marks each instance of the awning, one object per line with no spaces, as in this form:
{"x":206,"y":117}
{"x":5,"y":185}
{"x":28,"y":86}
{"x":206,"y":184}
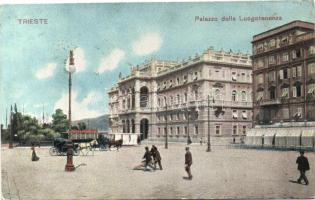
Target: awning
{"x":308,"y":133}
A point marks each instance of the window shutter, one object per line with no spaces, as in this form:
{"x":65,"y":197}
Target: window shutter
{"x":294,"y":91}
{"x":281,"y":74}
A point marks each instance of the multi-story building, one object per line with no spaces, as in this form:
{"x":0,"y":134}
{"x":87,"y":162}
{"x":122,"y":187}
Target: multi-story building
{"x":174,"y":97}
{"x":284,"y":76}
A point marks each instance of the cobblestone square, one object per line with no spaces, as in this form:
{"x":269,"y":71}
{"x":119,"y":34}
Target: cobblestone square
{"x":223,"y":173}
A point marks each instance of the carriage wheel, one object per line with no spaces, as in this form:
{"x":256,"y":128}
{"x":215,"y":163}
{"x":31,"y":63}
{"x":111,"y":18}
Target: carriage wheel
{"x":53,"y":151}
{"x":76,"y":152}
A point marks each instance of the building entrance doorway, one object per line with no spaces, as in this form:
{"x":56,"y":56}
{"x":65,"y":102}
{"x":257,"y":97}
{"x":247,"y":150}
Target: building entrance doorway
{"x":144,"y":128}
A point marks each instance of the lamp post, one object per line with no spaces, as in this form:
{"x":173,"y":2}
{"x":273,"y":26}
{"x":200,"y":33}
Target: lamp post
{"x":209,"y":144}
{"x":166,"y":132}
{"x":69,"y":166}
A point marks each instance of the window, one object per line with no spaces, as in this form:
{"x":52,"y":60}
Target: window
{"x":311,"y":89}
{"x":124,"y":104}
{"x":272,"y":43}
{"x":243,"y":96}
{"x":293,"y":70}
{"x":196,"y":129}
{"x":177,"y":116}
{"x":234,"y":78}
{"x":311,"y":68}
{"x":260,"y":78}
{"x":185,"y":97}
{"x":285,"y":92}
{"x":159,"y":131}
{"x":217,"y":129}
{"x":164,"y":84}
{"x":185,"y":78}
{"x":158,"y":117}
{"x":165,"y":102}
{"x":244,"y":114}
{"x":171,"y":117}
{"x":234,"y":130}
{"x":312,"y":49}
{"x":177,"y":81}
{"x":165,"y":130}
{"x":196,"y":76}
{"x":259,"y":95}
{"x":217,"y":94}
{"x":272,"y":93}
{"x":284,"y":74}
{"x":272,"y":60}
{"x":297,"y":91}
{"x":234,"y":95}
{"x":196,"y":94}
{"x":285,"y":57}
{"x":178,"y":130}
{"x":244,"y":130}
{"x":234,"y":114}
{"x":223,"y":74}
{"x":186,"y":130}
{"x":178,"y":99}
{"x":299,"y":71}
{"x":296,"y":54}
{"x":271,"y":76}
{"x":171,"y":83}
{"x":171,"y":100}
{"x":159,"y":102}
{"x":165,"y":117}
{"x":171,"y":130}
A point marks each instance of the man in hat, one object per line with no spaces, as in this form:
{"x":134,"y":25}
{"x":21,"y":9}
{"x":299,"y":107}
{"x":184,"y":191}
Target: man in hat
{"x":188,"y":162}
{"x":303,"y":166}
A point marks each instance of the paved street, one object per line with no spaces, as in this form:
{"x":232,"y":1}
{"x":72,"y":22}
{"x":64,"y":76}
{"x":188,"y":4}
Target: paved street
{"x":223,"y":173}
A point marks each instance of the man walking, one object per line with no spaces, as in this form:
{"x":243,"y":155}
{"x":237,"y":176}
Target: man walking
{"x":156,"y":156}
{"x":303,"y":166}
{"x":188,"y":162}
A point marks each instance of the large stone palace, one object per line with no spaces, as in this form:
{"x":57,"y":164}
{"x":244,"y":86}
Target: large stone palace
{"x":181,"y":98}
{"x":284,"y":76}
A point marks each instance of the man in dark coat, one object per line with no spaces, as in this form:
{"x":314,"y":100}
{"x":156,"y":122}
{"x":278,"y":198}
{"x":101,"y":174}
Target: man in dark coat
{"x":147,"y":157}
{"x":188,"y":162}
{"x":156,"y":156}
{"x":303,"y":166}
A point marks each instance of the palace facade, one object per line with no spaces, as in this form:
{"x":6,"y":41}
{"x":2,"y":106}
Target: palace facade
{"x":284,"y":76}
{"x":175,"y":97}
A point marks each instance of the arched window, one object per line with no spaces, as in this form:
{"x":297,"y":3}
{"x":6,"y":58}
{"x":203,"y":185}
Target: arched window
{"x":185,"y":97}
{"x":144,"y":96}
{"x":243,"y":96}
{"x":233,"y":95}
{"x":196,"y":93}
{"x":217,"y":94}
{"x":159,"y":102}
{"x":178,"y":99}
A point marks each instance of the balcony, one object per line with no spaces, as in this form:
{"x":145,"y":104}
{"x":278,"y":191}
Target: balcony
{"x":270,"y":102}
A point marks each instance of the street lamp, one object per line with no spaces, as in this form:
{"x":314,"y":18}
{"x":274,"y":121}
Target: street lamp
{"x":69,"y":166}
{"x":166,"y":125}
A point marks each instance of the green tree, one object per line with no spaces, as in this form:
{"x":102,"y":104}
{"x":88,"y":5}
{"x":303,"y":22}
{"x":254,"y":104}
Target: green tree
{"x":82,"y":126}
{"x":60,"y":122}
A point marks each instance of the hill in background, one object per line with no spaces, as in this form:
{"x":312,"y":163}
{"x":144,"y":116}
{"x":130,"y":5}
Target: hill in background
{"x":99,"y":123}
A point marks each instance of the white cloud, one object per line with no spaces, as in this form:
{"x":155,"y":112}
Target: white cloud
{"x":46,"y":71}
{"x":79,"y":110}
{"x":147,"y":43}
{"x":111,"y":61}
{"x":79,"y":60}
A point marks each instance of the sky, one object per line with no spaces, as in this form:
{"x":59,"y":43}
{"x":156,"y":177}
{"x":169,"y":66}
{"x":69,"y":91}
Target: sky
{"x":109,"y":37}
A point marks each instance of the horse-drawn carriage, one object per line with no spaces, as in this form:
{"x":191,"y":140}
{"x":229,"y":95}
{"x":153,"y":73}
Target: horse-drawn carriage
{"x":60,"y":147}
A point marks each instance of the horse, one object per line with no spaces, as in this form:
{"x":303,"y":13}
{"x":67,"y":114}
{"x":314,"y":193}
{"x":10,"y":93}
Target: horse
{"x":116,"y":143}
